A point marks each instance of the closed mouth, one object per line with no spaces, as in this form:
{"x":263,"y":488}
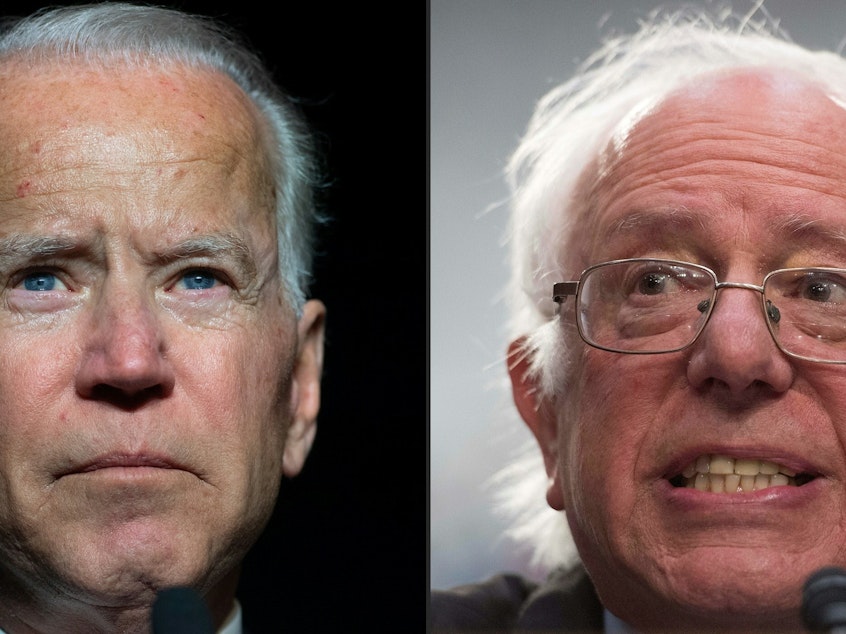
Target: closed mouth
{"x":111,"y":461}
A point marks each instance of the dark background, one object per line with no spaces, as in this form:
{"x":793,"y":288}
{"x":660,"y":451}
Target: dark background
{"x":346,"y":548}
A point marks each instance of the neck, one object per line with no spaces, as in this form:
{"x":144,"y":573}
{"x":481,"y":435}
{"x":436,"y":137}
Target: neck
{"x":55,"y":611}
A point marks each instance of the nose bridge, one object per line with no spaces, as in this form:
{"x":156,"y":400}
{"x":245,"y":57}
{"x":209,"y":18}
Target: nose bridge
{"x":736,"y":349}
{"x":126,"y":344}
{"x":749,"y":287}
{"x":735,"y":311}
{"x":125,"y":320}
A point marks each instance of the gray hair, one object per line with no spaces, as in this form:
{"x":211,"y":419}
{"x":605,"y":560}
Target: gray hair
{"x":554,"y":161}
{"x":141,"y":35}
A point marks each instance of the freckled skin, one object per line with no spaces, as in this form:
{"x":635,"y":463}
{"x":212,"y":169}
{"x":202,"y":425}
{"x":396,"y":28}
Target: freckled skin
{"x":123,"y":358}
{"x":741,"y":153}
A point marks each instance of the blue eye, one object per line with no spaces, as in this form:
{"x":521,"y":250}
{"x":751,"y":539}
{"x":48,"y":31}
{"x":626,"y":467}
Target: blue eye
{"x":40,"y":282}
{"x":198,"y":280}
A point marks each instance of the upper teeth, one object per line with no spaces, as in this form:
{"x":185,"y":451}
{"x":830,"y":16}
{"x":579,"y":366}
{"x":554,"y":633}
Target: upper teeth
{"x":718,"y":474}
{"x":724,"y":465}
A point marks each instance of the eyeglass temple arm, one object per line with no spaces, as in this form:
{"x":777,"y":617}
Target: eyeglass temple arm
{"x":562,"y":290}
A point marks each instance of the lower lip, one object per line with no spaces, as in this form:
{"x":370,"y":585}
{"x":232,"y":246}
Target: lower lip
{"x":772,"y":498}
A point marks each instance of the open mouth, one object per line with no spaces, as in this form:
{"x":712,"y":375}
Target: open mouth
{"x":722,"y":474}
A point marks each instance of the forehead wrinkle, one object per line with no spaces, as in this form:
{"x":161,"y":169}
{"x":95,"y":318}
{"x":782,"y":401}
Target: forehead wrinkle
{"x":223,"y":129}
{"x":109,"y":173}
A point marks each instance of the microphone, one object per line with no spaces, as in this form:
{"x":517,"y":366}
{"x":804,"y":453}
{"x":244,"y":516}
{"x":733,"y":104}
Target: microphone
{"x":181,"y":610}
{"x":824,"y":601}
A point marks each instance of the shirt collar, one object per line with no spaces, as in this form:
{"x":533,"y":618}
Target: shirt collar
{"x":614,"y":625}
{"x":232,"y":624}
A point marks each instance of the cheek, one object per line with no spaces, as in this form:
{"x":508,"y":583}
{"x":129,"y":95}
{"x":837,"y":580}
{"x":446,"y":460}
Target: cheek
{"x":264,"y":407}
{"x":244,"y":386}
{"x":35,"y":372}
{"x":36,"y":375}
{"x":607,"y":435}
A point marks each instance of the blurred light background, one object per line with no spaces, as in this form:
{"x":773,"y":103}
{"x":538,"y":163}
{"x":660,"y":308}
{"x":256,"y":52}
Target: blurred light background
{"x":490,"y":60}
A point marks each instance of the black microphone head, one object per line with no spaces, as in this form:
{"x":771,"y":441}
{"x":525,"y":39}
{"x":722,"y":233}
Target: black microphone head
{"x":181,"y":610}
{"x":824,"y":600}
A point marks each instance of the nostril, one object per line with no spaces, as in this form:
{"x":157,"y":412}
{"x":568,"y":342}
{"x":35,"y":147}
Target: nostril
{"x":123,"y":399}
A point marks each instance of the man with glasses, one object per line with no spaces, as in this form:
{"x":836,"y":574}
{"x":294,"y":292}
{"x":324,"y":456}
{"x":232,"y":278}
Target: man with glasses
{"x":679,"y":336}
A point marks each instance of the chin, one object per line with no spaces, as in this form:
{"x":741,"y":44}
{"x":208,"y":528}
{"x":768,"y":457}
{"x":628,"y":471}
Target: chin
{"x":131,"y":569}
{"x":734,"y":589}
{"x":719,"y":588}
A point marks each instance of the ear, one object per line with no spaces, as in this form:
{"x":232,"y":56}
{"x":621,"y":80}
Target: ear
{"x":537,"y":413}
{"x":305,"y":387}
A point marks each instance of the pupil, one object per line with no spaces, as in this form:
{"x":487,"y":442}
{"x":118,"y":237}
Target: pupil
{"x":199,"y":280}
{"x":819,"y":292}
{"x":652,"y":284}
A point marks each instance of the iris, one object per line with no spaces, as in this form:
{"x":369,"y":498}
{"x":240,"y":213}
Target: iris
{"x":40,"y":282}
{"x":198,"y":280}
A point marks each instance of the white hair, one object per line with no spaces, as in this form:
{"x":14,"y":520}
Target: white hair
{"x":559,"y":153}
{"x":145,"y":36}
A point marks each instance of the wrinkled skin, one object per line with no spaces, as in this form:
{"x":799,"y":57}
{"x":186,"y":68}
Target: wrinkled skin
{"x":155,"y":384}
{"x":744,"y":173}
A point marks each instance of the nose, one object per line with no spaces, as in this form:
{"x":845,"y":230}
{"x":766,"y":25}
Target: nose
{"x":736,"y":353}
{"x":124,"y":354}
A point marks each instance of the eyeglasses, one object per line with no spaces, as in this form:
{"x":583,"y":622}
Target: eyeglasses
{"x":647,"y":306}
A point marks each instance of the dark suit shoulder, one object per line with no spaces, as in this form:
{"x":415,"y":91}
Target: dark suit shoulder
{"x":492,"y":605}
{"x":565,"y":602}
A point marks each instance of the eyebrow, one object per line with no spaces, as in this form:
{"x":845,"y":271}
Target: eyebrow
{"x":676,"y":218}
{"x":212,"y":245}
{"x":19,"y":246}
{"x":22,"y":247}
{"x":805,"y":227}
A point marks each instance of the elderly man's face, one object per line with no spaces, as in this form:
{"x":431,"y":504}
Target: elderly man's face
{"x":745,"y":174}
{"x":151,"y":370}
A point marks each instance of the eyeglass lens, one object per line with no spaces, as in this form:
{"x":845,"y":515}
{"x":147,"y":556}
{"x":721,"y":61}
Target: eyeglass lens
{"x":810,"y":305}
{"x":653,"y":306}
